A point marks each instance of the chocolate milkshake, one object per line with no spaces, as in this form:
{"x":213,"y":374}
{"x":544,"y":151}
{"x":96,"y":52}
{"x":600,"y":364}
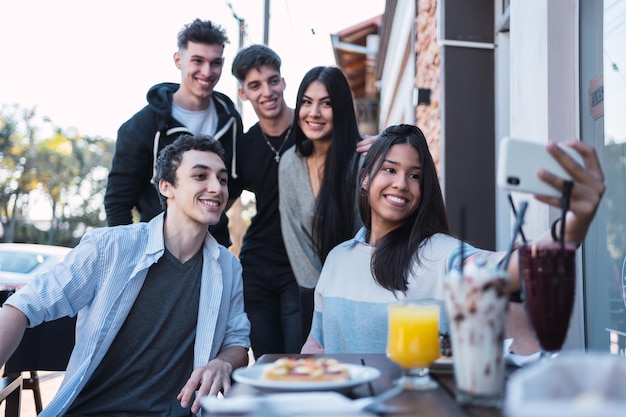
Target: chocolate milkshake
{"x":548,"y":277}
{"x":476,"y":303}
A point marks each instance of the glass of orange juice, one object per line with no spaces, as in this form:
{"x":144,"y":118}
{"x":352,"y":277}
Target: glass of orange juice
{"x":413,"y":341}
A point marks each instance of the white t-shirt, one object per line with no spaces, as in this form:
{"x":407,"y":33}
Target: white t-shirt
{"x":199,"y":122}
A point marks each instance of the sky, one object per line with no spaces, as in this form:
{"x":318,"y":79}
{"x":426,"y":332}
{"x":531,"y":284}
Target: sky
{"x":88,"y":65}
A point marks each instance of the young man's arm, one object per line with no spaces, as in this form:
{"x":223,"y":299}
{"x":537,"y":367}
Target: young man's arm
{"x":214,"y":377}
{"x":131,"y":170}
{"x":12,"y":326}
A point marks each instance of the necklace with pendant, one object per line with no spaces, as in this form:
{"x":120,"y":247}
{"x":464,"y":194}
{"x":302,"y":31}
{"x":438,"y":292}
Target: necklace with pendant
{"x":277,"y":151}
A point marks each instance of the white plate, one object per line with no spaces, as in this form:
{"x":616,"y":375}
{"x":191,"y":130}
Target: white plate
{"x":443,"y":360}
{"x":442,"y":365}
{"x":288,"y":404}
{"x":254,"y":376}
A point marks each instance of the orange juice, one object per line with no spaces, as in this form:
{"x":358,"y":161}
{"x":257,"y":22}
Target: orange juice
{"x":413,"y":340}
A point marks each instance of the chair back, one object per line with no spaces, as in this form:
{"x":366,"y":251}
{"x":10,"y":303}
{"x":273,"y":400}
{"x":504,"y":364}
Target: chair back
{"x":46,"y":347}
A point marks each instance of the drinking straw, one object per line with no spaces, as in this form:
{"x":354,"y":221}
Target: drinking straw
{"x":565,"y":200}
{"x":370,"y":387}
{"x":462,"y":227}
{"x":519,"y":218}
{"x":521,"y":231}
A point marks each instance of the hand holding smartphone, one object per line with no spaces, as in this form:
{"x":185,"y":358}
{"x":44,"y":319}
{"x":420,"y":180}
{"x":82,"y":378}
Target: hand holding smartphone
{"x":518,"y":163}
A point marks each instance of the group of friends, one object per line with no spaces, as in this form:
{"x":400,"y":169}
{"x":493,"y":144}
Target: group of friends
{"x":344,"y":225}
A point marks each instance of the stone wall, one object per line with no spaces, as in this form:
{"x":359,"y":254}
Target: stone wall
{"x":427,"y":116}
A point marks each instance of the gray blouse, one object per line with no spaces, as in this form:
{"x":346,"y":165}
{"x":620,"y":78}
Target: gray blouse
{"x":297,"y":207}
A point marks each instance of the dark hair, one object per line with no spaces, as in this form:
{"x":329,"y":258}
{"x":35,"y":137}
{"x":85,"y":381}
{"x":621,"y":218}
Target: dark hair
{"x":202,"y":31}
{"x":254,"y":57}
{"x":393,"y":256}
{"x":333,"y":221}
{"x":171,"y":157}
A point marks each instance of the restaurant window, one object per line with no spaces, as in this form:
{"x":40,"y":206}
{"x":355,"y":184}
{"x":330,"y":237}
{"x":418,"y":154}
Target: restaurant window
{"x":603,"y":104}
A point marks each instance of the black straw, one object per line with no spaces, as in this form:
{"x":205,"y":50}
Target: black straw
{"x":519,"y":219}
{"x":370,"y":387}
{"x":521,"y":231}
{"x":462,"y":231}
{"x":565,"y":200}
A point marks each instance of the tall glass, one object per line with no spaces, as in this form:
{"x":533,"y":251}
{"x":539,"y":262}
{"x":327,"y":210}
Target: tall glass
{"x":548,"y":278}
{"x":413,"y":341}
{"x":476,"y":302}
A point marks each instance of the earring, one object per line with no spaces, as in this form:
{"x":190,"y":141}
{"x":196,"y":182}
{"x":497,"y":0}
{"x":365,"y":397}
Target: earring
{"x":363,"y":192}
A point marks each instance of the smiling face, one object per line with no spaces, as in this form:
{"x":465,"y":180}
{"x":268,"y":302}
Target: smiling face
{"x":201,"y":67}
{"x":316,"y":114}
{"x":200,"y":193}
{"x":264,"y":88}
{"x":394,"y":191}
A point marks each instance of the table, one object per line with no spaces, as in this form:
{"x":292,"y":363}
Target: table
{"x":439,"y":402}
{"x":11,"y":389}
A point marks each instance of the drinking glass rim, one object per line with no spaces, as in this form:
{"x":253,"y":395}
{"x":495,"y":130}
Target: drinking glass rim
{"x":568,"y":247}
{"x":416,"y":302}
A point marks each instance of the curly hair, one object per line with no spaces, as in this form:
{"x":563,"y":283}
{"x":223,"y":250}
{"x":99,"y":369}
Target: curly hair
{"x":171,"y":156}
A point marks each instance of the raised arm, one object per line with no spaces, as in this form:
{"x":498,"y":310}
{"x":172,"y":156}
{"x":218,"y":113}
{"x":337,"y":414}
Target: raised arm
{"x":586,"y":195}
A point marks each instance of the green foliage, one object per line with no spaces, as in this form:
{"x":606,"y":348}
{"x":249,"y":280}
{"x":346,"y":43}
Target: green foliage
{"x":68,"y":169}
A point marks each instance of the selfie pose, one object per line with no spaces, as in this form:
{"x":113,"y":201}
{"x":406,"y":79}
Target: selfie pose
{"x":405,"y":248}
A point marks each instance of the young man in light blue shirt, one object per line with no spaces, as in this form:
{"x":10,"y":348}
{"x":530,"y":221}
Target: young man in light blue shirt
{"x":159,"y":304}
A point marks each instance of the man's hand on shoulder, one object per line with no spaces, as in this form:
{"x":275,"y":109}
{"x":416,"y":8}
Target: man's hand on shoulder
{"x":364,"y":145}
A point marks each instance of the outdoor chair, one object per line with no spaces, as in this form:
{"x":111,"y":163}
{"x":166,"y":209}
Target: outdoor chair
{"x":46,"y":347}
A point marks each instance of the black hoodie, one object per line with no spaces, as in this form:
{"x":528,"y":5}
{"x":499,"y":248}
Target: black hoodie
{"x":139,"y":141}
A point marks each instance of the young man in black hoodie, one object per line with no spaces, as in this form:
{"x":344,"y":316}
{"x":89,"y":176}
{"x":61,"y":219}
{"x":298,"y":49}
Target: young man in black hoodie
{"x":191,"y":107}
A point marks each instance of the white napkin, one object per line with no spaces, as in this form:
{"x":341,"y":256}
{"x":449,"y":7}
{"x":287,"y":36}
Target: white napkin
{"x":285,"y":404}
{"x":573,"y":384}
{"x":515,"y":359}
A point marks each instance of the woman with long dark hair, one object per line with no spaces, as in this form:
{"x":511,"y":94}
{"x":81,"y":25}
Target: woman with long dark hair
{"x":405,"y":248}
{"x":317,"y":178}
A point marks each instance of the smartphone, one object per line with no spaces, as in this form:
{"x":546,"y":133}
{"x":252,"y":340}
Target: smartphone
{"x":518,"y":163}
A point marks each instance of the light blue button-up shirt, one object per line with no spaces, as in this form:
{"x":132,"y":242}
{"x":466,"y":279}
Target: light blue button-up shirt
{"x":99,"y":281}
